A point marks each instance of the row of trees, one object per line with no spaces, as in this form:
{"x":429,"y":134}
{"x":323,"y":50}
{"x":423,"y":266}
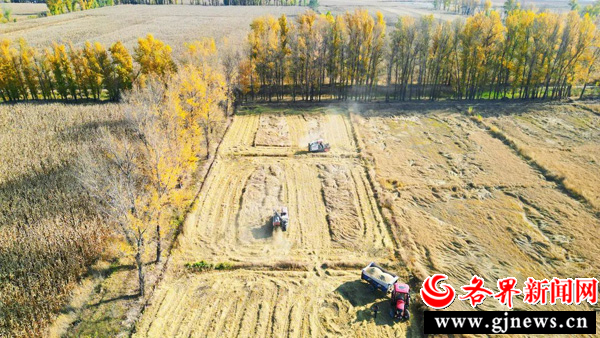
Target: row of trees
{"x":66,"y":6}
{"x":133,"y":163}
{"x":251,"y":2}
{"x":592,"y":9}
{"x":470,"y":7}
{"x":317,"y":51}
{"x":71,"y":73}
{"x":465,"y":7}
{"x":139,"y":179}
{"x":524,"y":55}
{"x":5,"y":15}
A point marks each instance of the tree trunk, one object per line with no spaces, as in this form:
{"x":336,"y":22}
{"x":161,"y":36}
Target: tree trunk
{"x":140,"y":266}
{"x":207,"y":140}
{"x":158,"y":241}
{"x":583,"y":90}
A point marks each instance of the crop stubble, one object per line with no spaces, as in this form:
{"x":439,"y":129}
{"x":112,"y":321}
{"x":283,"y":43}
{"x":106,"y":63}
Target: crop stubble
{"x":334,"y":220}
{"x":460,"y":201}
{"x":265,"y":304}
{"x":563,"y":139}
{"x":465,"y":203}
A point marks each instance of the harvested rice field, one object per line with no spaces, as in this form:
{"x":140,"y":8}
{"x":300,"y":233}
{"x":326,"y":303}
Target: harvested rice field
{"x":562,"y":139}
{"x":266,"y":304}
{"x":302,"y":282}
{"x":421,"y":191}
{"x":465,"y":202}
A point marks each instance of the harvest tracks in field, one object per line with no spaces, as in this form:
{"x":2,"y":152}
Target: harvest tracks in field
{"x":246,"y":303}
{"x":466,"y":202}
{"x":335,"y":228}
{"x":247,"y":139}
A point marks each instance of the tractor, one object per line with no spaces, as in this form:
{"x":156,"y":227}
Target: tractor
{"x":318,"y":146}
{"x":400,"y":301}
{"x":280,"y":219}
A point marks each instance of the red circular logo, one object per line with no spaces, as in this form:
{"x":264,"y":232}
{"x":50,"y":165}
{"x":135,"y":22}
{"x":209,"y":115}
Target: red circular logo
{"x":435,"y":298}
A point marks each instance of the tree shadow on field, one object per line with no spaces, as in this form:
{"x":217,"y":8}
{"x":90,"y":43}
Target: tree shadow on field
{"x":34,"y":196}
{"x":485,"y":108}
{"x":383,"y":316}
{"x":263,"y":232}
{"x":52,"y":190}
{"x":85,"y":131}
{"x":358,"y":293}
{"x":42,"y":103}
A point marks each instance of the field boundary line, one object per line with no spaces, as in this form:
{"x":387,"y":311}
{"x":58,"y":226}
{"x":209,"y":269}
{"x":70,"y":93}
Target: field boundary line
{"x":303,"y":155}
{"x":178,"y":230}
{"x":363,"y":164}
{"x":586,"y":108}
{"x":498,"y":134}
{"x":415,"y":278}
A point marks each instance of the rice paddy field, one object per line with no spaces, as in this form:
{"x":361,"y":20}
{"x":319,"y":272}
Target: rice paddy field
{"x":422,"y":190}
{"x":23,"y":11}
{"x":302,"y":282}
{"x":455,"y":185}
{"x":493,"y":189}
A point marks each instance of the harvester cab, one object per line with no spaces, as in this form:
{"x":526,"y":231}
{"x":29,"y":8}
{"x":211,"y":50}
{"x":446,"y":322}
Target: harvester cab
{"x":318,"y":146}
{"x":400,"y":301}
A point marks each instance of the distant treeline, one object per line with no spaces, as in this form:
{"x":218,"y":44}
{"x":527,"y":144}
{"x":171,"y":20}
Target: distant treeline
{"x":66,"y":6}
{"x":69,"y":73}
{"x":465,"y":7}
{"x":218,"y":2}
{"x":249,"y":2}
{"x":524,"y":55}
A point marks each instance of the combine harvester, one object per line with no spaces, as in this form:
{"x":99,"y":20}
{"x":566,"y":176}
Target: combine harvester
{"x":318,"y":146}
{"x":381,"y":279}
{"x":280,"y":220}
